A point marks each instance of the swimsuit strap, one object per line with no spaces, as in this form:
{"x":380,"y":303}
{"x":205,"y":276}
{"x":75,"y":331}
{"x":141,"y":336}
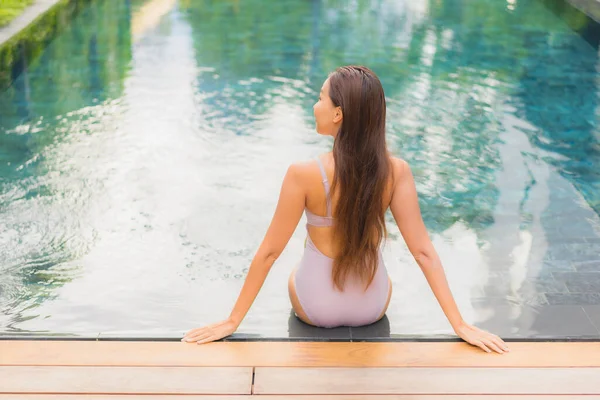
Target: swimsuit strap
{"x":326,"y":185}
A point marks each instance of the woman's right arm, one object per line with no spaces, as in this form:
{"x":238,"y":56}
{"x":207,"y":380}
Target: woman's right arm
{"x":407,"y":213}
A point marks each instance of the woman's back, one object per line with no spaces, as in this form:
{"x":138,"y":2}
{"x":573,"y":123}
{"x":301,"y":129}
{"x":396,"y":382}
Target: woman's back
{"x":315,"y":295}
{"x":323,"y":236}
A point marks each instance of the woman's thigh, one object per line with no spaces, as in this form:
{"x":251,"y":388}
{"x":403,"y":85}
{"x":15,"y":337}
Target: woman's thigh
{"x":294,"y":298}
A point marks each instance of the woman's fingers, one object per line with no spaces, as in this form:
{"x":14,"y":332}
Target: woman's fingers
{"x":211,"y":332}
{"x":193,"y":332}
{"x":480,"y":343}
{"x":203,"y":336}
{"x":501,"y":343}
{"x":491,"y":345}
{"x":487,"y":341}
{"x":197,"y":330}
{"x":209,"y":339}
{"x":212,"y":336}
{"x":196,"y":335}
{"x":497,"y":341}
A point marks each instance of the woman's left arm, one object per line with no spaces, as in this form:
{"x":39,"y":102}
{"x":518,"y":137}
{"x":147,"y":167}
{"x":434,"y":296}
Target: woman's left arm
{"x":285,"y":220}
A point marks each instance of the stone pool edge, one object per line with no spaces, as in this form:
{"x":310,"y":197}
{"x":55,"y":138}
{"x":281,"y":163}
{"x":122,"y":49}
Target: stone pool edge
{"x":589,"y":7}
{"x":28,"y":17}
{"x":24,"y":39}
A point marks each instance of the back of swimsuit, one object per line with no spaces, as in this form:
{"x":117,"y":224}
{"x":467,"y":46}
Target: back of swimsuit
{"x":322,"y":302}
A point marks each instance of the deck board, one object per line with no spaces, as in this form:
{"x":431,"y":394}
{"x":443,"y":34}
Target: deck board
{"x":292,"y":380}
{"x":295,"y":354}
{"x":293,"y":397}
{"x":122,"y":380}
{"x":90,"y":370}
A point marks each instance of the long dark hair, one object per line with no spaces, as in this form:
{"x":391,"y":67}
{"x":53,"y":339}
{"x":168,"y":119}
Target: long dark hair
{"x":362,"y":168}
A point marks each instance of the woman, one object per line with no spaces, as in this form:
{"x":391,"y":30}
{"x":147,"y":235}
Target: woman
{"x":341,"y":279}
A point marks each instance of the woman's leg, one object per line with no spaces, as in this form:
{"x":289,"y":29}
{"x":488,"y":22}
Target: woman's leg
{"x":294,"y":298}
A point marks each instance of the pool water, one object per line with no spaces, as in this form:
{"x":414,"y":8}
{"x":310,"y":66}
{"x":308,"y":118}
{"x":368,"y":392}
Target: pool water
{"x":141,"y":156}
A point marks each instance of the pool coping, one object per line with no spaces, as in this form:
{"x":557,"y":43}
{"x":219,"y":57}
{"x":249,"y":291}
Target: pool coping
{"x":26,"y":37}
{"x":29,"y":16}
{"x":589,"y":7}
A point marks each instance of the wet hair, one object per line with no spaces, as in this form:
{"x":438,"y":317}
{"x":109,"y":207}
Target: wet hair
{"x":362,"y":169}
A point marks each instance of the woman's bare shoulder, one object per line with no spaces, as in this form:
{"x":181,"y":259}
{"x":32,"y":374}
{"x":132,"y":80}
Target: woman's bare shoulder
{"x":400,"y":169}
{"x":304,"y":170}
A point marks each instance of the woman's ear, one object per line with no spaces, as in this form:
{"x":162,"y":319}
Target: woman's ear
{"x":338,"y":115}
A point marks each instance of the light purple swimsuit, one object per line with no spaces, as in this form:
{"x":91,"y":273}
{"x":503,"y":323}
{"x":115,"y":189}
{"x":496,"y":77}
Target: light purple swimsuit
{"x":322,"y":302}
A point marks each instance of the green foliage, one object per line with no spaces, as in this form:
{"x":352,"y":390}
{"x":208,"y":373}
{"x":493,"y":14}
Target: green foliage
{"x":9,"y":9}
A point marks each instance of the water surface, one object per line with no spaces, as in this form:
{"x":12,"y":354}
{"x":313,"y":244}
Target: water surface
{"x":141,"y":156}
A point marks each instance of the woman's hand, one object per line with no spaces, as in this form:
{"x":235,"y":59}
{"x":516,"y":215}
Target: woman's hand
{"x":211,"y":333}
{"x":480,"y":338}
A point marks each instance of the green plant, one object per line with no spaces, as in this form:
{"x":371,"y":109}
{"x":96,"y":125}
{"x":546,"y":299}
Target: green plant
{"x":9,"y":9}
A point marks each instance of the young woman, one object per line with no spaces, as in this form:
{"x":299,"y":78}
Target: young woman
{"x":341,"y":279}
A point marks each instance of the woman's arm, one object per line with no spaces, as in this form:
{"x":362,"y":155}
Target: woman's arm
{"x":406,"y":212}
{"x":285,"y":220}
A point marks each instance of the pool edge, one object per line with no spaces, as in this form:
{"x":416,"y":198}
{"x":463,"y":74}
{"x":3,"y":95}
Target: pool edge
{"x":30,"y":33}
{"x":589,"y":7}
{"x":30,"y":16}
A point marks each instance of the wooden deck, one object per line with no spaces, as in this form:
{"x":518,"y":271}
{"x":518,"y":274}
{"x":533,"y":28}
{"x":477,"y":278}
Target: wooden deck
{"x":45,"y":370}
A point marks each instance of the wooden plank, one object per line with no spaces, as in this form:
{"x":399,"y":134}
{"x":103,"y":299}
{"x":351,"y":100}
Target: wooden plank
{"x":122,"y":380}
{"x":299,"y":354}
{"x":293,"y":380}
{"x":292,"y":397}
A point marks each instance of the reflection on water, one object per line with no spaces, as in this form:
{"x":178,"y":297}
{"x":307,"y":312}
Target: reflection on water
{"x":141,"y":156}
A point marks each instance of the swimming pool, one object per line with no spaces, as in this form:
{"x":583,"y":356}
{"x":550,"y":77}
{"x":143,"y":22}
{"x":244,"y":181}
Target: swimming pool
{"x":141,"y":156}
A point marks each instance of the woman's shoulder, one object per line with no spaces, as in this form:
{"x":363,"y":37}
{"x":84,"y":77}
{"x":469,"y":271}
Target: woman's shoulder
{"x":400,"y":169}
{"x":301,"y":167}
{"x":306,"y":169}
{"x":303,"y":171}
{"x":398,"y":164}
{"x":310,"y":166}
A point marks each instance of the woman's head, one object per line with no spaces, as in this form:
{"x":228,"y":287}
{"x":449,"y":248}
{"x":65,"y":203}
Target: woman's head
{"x":352,"y":109}
{"x":351,"y":100}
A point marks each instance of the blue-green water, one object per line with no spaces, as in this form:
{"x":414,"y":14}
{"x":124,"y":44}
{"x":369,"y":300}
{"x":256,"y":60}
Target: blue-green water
{"x":142,"y":152}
